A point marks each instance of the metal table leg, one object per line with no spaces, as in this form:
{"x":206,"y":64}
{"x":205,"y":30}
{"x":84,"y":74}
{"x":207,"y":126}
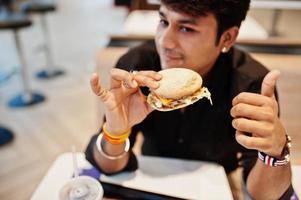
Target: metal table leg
{"x":4,"y":76}
{"x":275,"y":19}
{"x":50,"y":71}
{"x":26,"y":97}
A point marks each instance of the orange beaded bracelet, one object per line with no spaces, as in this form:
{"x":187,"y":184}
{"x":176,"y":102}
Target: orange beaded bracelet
{"x":115,"y":139}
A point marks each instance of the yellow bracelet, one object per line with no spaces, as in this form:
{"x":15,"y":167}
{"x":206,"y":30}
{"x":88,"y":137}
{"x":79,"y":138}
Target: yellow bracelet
{"x":115,"y":139}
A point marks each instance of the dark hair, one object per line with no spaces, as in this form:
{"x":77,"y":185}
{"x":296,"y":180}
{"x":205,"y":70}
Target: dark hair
{"x":228,"y":13}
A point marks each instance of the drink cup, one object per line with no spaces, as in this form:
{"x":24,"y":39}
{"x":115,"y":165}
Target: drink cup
{"x":81,"y":188}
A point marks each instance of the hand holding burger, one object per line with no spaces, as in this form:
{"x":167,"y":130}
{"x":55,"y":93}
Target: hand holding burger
{"x":125,"y":105}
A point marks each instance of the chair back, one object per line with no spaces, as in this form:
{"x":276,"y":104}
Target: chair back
{"x":6,"y":6}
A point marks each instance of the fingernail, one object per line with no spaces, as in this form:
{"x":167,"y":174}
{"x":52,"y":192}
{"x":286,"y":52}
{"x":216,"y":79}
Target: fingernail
{"x":134,"y":84}
{"x":234,"y":123}
{"x":158,"y":76}
{"x":155,"y":84}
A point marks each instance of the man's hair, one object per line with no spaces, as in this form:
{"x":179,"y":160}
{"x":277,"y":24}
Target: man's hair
{"x":228,"y":13}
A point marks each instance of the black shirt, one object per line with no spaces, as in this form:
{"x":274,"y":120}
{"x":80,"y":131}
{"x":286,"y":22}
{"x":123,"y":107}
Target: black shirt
{"x":202,"y":131}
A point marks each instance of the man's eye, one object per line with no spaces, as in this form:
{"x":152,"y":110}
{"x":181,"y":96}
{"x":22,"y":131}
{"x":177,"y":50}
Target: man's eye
{"x":163,"y":22}
{"x":186,"y":29}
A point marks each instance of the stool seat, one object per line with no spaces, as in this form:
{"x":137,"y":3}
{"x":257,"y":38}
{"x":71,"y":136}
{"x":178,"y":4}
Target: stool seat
{"x":5,"y":136}
{"x":41,"y":6}
{"x":13,"y":20}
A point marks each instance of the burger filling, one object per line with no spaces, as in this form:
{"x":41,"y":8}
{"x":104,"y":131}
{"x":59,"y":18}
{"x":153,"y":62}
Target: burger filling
{"x":161,"y":102}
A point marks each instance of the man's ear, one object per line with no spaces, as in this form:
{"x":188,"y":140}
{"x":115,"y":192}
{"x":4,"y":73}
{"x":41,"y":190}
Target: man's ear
{"x":228,"y":39}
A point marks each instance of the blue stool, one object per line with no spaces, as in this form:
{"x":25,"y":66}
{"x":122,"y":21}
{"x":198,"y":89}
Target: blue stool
{"x":6,"y":136}
{"x":42,"y":7}
{"x":16,"y":21}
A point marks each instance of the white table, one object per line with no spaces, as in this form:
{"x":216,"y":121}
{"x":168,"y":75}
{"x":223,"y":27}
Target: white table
{"x":184,"y":179}
{"x":135,"y":24}
{"x":276,"y":4}
{"x":264,"y":4}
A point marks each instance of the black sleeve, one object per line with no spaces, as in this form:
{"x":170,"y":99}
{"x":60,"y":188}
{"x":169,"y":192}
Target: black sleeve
{"x":289,"y":194}
{"x":132,"y":164}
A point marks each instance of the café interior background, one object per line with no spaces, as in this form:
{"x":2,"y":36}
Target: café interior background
{"x":79,"y":29}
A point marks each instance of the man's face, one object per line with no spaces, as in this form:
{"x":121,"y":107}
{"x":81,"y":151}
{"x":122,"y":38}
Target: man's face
{"x":186,"y":41}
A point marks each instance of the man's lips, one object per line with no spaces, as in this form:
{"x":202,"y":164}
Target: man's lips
{"x":171,"y":57}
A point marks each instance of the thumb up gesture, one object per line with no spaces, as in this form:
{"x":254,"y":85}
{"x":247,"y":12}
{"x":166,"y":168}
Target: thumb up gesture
{"x":256,"y":118}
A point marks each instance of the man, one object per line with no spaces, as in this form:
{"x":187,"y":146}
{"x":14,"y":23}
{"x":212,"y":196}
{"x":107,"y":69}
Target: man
{"x":199,"y":35}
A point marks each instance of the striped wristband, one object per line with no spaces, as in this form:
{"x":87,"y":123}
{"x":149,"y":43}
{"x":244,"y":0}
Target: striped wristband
{"x":272,"y":161}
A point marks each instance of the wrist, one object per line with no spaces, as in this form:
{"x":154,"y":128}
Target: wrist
{"x":114,"y":131}
{"x":281,"y":159}
{"x":282,"y":146}
{"x":115,"y":139}
{"x":277,"y":151}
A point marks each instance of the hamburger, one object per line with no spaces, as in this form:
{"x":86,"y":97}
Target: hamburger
{"x":179,"y":87}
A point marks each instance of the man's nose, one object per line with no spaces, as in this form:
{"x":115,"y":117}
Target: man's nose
{"x":168,"y":39}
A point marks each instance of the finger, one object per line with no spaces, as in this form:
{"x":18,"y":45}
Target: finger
{"x":149,"y":108}
{"x":97,"y":89}
{"x":252,"y":99}
{"x":251,"y":126}
{"x":269,"y":83}
{"x":250,"y":142}
{"x":146,"y":81}
{"x":151,"y":74}
{"x":252,"y":112}
{"x":119,"y":75}
{"x":95,"y":83}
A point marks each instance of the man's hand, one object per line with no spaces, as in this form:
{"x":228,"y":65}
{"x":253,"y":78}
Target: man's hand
{"x":256,"y":119}
{"x":124,"y":103}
